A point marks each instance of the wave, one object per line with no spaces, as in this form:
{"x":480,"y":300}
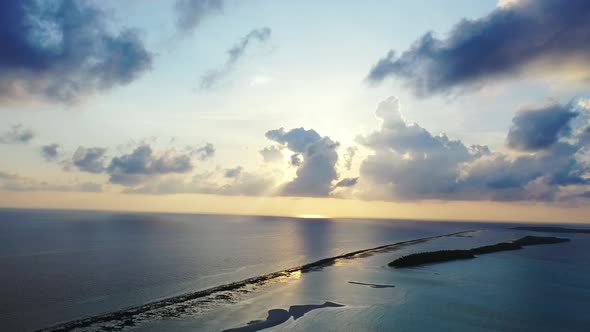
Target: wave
{"x":196,"y":302}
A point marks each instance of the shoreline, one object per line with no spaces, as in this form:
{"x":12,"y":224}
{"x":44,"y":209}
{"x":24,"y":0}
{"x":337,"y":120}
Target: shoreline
{"x":126,"y":316}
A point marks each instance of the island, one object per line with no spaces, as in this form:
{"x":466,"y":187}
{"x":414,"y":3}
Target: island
{"x":451,"y":255}
{"x":551,"y":229}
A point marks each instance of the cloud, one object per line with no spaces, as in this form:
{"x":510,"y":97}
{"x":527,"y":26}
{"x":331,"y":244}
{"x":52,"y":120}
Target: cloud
{"x":205,"y":152}
{"x":17,"y":134}
{"x":317,"y":171}
{"x":408,"y":160}
{"x":90,"y":160}
{"x":296,"y":160}
{"x":243,"y":183}
{"x":142,"y":165}
{"x":348,"y":156}
{"x":271,"y":154}
{"x":524,"y":37}
{"x":539,"y":128}
{"x":233,"y":172}
{"x":315,"y":158}
{"x":190,"y":13}
{"x":347,"y":182}
{"x":7,"y":176}
{"x":50,"y":151}
{"x":211,"y":78}
{"x":63,"y":51}
{"x":296,"y":140}
{"x":15,"y":182}
{"x":409,"y":163}
{"x":90,"y":187}
{"x":530,"y":177}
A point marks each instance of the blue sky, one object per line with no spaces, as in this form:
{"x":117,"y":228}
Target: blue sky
{"x":305,"y":64}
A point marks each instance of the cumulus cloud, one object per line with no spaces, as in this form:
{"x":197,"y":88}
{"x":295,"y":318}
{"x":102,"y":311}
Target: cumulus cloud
{"x":190,"y":13}
{"x":408,"y":162}
{"x":517,"y":38}
{"x":204,"y":152}
{"x":539,"y":128}
{"x":50,"y":151}
{"x":315,"y":158}
{"x":142,"y":164}
{"x":17,"y":134}
{"x":271,"y":154}
{"x":530,"y":177}
{"x":90,"y":160}
{"x":296,"y":140}
{"x":63,"y":51}
{"x":317,"y":170}
{"x":211,"y":78}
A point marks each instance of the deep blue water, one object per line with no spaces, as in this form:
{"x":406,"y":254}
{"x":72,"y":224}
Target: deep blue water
{"x":57,"y":266}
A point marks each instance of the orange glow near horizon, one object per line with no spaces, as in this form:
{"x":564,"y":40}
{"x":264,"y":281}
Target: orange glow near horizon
{"x":297,"y":207}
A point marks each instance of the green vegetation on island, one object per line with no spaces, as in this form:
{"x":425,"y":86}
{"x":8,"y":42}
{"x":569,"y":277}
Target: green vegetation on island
{"x":451,"y":255}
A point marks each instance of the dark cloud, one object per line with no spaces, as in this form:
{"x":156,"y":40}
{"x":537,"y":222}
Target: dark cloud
{"x":546,"y":34}
{"x":64,"y":51}
{"x":233,"y":172}
{"x":585,"y":137}
{"x":211,"y":78}
{"x":205,"y":152}
{"x":296,"y":160}
{"x":142,"y":165}
{"x":529,"y":177}
{"x":317,"y":171}
{"x":347,"y":182}
{"x":89,"y":160}
{"x":539,"y":128}
{"x":17,"y":134}
{"x":271,"y":154}
{"x":190,"y":13}
{"x":296,"y":139}
{"x":50,"y":151}
{"x":410,"y":163}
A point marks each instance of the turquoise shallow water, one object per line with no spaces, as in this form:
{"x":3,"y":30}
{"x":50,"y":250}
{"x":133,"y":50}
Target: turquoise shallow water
{"x":539,"y":288}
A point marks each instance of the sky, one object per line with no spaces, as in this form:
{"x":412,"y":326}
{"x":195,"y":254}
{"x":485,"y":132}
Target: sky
{"x":459,"y":109}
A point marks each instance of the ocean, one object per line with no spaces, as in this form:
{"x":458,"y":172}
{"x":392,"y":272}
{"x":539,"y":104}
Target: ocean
{"x":58,"y":266}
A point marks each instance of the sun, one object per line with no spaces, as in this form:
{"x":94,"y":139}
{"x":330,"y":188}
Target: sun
{"x":311,"y":216}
